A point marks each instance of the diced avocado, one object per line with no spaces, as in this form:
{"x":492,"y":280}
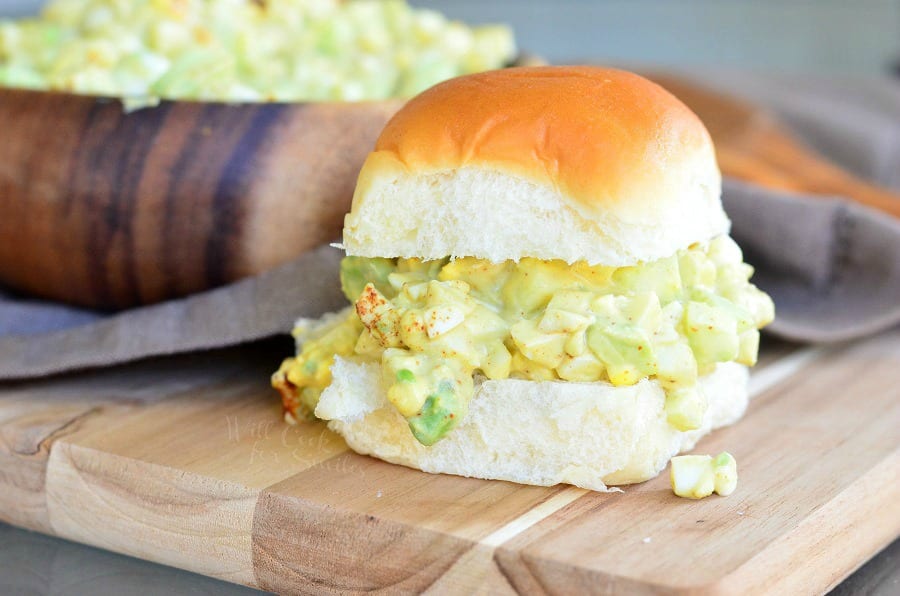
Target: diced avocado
{"x":437,"y":324}
{"x":711,"y":332}
{"x":356,"y":272}
{"x":413,"y":378}
{"x":625,"y":349}
{"x":441,"y":411}
{"x":634,"y":344}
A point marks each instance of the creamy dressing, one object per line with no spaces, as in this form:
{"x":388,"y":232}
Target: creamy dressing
{"x":434,"y":325}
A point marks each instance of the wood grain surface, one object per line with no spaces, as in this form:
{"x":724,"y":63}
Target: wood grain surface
{"x":110,"y":209}
{"x":186,"y":461}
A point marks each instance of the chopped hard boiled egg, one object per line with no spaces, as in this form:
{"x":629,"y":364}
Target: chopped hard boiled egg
{"x":244,"y":50}
{"x":698,"y":476}
{"x":435,"y":325}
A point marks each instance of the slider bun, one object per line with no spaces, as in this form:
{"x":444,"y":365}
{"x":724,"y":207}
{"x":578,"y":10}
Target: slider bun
{"x":545,"y":433}
{"x":572,"y":163}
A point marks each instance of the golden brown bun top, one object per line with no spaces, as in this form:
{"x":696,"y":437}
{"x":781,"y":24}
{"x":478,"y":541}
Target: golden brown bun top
{"x":594,"y":134}
{"x":574,"y":163}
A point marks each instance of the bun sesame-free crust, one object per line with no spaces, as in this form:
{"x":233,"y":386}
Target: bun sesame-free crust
{"x":572,"y":163}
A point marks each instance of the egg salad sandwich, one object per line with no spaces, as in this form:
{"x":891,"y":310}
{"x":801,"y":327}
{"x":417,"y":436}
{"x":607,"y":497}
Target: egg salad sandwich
{"x":543,"y":287}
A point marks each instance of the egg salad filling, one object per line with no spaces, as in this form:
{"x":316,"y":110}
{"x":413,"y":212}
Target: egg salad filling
{"x":437,"y":325}
{"x":244,"y":50}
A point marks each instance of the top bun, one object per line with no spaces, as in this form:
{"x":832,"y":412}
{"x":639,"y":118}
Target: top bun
{"x":574,"y":163}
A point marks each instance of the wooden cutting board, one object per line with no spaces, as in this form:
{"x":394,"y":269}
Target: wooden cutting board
{"x":185,"y":461}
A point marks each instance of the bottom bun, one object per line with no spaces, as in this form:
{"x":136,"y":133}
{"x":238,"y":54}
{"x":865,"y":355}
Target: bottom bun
{"x":544,"y":433}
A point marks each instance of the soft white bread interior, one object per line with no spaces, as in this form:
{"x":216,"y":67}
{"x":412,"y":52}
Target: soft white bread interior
{"x":544,"y":433}
{"x":573,"y":163}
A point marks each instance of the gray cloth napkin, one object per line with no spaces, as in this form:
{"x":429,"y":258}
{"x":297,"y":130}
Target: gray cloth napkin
{"x":833,"y":268}
{"x":250,"y":309}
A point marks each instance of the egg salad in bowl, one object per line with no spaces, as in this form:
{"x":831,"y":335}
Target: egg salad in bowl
{"x":244,"y":50}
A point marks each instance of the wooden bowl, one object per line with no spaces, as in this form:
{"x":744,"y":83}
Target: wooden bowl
{"x":106,"y":209}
